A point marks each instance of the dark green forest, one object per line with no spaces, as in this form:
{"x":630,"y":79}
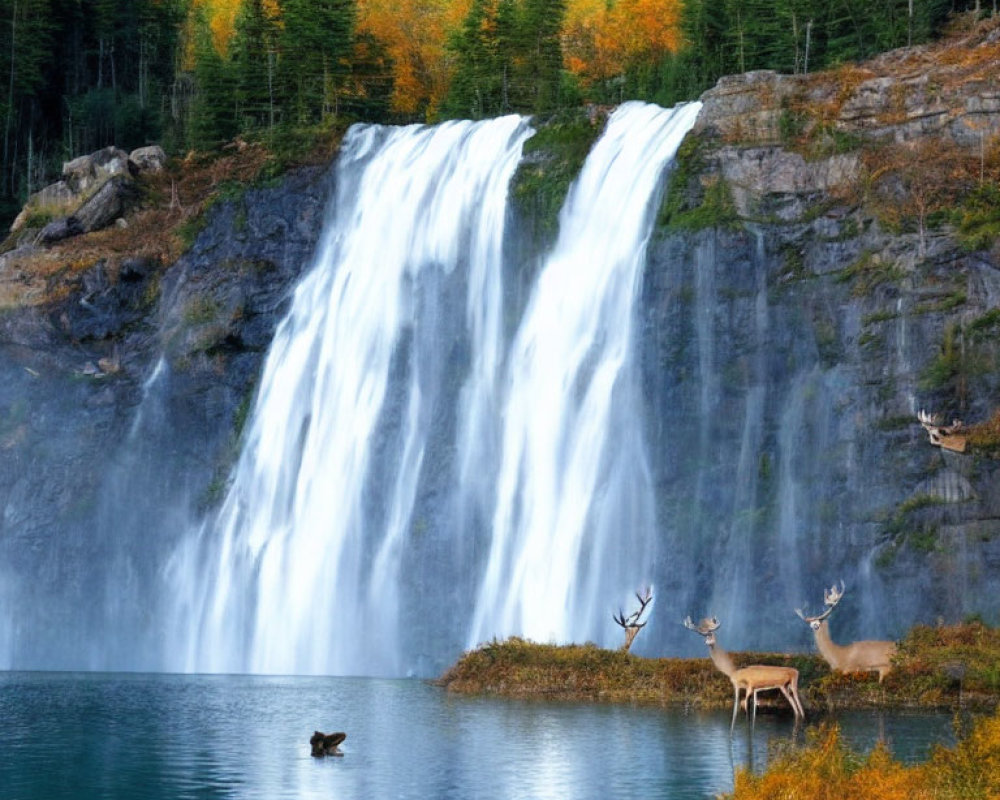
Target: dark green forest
{"x":82,"y":74}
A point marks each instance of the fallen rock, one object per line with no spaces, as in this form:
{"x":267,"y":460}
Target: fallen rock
{"x":85,"y":172}
{"x":107,"y":204}
{"x":148,"y":159}
{"x":59,"y":229}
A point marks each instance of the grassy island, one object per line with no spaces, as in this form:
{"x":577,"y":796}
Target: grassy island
{"x":955,"y":666}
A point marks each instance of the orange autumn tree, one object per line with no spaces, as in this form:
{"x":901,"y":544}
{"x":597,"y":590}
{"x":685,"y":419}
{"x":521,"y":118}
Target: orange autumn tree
{"x":601,"y":39}
{"x":413,"y":34}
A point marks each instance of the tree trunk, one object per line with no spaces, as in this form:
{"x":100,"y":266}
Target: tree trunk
{"x":7,"y":171}
{"x":805,"y":62}
{"x":270,"y":90}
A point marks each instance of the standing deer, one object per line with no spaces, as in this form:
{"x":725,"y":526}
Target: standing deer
{"x":865,"y":656}
{"x":631,"y":623}
{"x":753,"y":679}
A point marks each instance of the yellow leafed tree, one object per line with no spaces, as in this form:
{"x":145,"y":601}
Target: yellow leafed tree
{"x":414,"y":33}
{"x":601,"y":39}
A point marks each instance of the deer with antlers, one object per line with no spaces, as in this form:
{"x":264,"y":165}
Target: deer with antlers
{"x":631,"y":623}
{"x":749,"y":680}
{"x":950,"y":437}
{"x":864,"y":656}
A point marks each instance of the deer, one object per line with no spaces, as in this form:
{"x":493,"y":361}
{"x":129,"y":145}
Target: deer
{"x":950,"y":437}
{"x":631,"y":623}
{"x":863,"y":656}
{"x":752,"y":679}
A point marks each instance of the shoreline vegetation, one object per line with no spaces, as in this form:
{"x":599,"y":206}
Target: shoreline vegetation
{"x":942,"y":667}
{"x":828,"y":769}
{"x":953,"y":667}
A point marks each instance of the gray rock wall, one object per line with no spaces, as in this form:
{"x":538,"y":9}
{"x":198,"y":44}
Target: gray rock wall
{"x":119,"y":414}
{"x":785,"y":359}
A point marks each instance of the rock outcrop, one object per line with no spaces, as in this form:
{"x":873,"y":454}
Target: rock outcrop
{"x":95,"y":190}
{"x":121,"y":392}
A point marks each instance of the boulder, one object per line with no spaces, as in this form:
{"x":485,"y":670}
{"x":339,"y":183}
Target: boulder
{"x":85,"y":172}
{"x":148,"y":159}
{"x":54,"y":198}
{"x":107,"y":204}
{"x":59,"y":229}
{"x":96,"y":190}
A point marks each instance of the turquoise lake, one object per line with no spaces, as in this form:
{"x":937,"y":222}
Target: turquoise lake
{"x":95,"y":735}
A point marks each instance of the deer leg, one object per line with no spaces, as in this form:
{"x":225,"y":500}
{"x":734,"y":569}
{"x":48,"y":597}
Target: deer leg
{"x":791,"y":699}
{"x":754,"y":719}
{"x":736,"y":706}
{"x":794,"y":699}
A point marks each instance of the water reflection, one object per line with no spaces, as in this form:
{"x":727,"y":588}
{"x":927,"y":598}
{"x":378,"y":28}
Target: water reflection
{"x":166,"y":736}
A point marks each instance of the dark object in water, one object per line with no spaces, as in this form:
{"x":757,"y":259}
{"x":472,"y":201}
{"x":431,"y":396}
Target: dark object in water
{"x":325,"y":744}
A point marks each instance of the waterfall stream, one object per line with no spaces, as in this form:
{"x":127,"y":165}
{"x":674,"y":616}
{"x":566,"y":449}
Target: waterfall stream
{"x":573,"y":526}
{"x":390,"y":404}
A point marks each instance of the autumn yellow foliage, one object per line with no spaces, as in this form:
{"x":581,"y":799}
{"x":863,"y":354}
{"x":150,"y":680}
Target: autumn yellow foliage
{"x":414,"y":33}
{"x":600,"y":39}
{"x":221,"y":17}
{"x":827,"y":769}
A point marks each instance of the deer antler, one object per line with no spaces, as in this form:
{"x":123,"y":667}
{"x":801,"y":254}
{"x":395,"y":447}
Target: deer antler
{"x":929,"y":420}
{"x":947,"y":436}
{"x":631,"y":623}
{"x":831,"y":597}
{"x":705,"y":627}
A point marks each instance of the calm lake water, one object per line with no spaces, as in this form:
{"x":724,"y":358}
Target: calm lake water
{"x":89,"y":735}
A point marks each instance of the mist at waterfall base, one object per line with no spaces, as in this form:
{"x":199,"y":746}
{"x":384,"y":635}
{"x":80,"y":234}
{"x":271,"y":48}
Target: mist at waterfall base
{"x":453,"y":442}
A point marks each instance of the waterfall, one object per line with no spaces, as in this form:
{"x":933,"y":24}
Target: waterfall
{"x":404,"y":461}
{"x":301,"y":570}
{"x":573,"y":526}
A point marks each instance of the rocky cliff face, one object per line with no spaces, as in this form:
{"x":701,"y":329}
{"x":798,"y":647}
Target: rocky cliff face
{"x":122,"y":390}
{"x":800,"y":308}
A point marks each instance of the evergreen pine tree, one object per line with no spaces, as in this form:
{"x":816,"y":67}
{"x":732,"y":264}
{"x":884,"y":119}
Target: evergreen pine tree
{"x":541,"y":60}
{"x":476,"y":87}
{"x":26,"y":57}
{"x":213,"y":116}
{"x":254,"y":62}
{"x":315,"y":47}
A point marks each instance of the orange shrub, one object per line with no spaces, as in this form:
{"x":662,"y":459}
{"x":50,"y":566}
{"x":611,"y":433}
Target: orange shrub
{"x":826,"y":769}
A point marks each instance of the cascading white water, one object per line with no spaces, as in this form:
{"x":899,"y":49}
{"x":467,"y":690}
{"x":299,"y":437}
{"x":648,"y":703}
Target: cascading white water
{"x":573,"y":527}
{"x":402,"y":456}
{"x":300,"y":573}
